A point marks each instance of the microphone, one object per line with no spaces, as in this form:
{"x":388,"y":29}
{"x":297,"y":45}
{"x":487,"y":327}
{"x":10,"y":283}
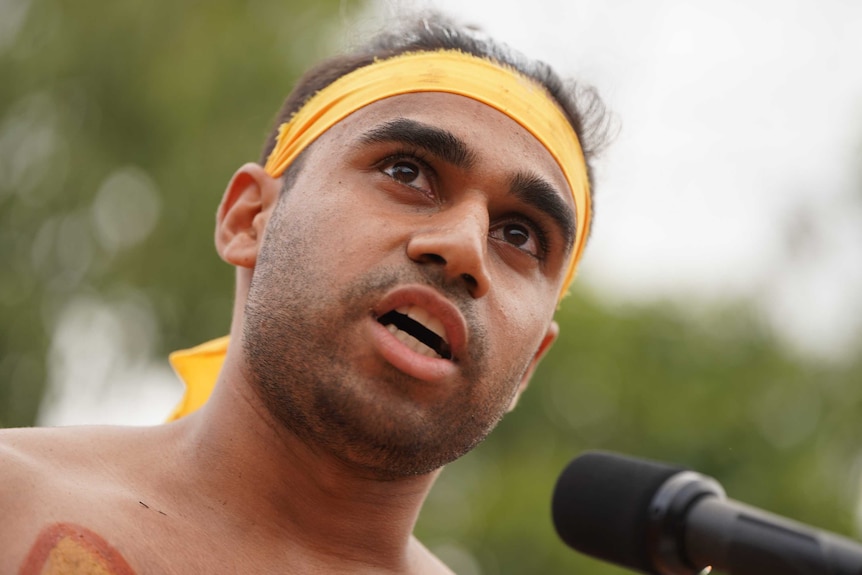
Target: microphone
{"x":667,"y":520}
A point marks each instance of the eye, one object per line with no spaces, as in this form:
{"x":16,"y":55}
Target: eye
{"x":526,"y":237}
{"x":516,"y":234}
{"x":410,"y":172}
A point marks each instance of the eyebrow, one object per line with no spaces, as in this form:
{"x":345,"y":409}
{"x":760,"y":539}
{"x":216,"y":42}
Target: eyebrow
{"x":535,"y":191}
{"x":437,"y":141}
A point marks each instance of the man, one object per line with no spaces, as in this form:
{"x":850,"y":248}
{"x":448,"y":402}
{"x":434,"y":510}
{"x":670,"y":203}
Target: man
{"x":400,"y":252}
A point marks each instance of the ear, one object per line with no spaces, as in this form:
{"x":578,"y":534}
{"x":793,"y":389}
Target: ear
{"x":547,"y":341}
{"x":243,"y":214}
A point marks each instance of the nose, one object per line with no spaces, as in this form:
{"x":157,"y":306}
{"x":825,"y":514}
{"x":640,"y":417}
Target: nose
{"x":457,"y":240}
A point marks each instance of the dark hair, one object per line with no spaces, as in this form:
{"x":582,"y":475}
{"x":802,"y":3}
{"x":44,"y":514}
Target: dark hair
{"x":432,"y":31}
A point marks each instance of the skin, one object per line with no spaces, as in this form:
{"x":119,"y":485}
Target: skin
{"x":323,"y":437}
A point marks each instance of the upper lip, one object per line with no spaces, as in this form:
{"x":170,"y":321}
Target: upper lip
{"x":437,"y":305}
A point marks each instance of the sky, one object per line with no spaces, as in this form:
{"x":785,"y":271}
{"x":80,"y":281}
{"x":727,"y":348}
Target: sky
{"x":735,"y":172}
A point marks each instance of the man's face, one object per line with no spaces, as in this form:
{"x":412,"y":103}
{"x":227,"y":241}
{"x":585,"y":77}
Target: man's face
{"x":407,"y":282}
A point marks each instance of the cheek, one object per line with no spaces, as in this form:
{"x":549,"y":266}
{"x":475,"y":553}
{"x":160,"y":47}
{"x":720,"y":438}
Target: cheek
{"x":364,"y":225}
{"x":523,"y":322}
{"x":345,"y":228}
{"x":355,"y":234}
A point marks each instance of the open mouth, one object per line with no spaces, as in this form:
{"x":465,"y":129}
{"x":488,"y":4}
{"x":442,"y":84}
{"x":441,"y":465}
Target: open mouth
{"x":419,"y":330}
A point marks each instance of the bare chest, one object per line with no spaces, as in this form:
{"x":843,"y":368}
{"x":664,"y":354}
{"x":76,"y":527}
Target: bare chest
{"x":116,"y":535}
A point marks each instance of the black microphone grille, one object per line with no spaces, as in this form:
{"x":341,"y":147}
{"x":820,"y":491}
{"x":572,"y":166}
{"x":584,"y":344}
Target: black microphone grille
{"x":601,"y":506}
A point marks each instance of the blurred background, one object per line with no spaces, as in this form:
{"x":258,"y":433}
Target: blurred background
{"x":717,"y":318}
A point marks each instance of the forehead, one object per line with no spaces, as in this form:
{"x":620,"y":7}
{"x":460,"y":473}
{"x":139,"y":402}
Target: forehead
{"x":497,"y":141}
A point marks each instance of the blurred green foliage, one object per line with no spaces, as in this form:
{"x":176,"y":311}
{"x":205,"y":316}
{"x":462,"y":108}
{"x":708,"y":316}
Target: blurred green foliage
{"x":120,"y":125}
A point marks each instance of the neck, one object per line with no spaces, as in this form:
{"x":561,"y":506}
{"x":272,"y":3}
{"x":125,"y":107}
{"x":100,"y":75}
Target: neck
{"x":264,"y":481}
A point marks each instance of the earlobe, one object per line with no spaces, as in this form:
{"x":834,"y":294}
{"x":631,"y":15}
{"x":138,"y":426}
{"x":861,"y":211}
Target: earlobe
{"x":243,"y":214}
{"x":544,"y":346}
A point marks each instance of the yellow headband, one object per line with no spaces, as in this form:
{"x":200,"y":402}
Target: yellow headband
{"x":450,"y":71}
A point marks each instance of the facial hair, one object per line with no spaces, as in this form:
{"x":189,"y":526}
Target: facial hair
{"x":307,"y":359}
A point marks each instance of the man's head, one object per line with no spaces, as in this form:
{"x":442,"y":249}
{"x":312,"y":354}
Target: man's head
{"x":398,"y":298}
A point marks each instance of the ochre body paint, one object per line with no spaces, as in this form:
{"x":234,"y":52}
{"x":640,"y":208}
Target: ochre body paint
{"x":69,"y":549}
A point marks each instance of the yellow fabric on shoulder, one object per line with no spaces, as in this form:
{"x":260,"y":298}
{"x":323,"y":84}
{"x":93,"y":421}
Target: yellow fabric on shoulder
{"x":198,"y":368}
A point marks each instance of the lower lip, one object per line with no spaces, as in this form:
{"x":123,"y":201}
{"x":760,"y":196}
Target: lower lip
{"x":404,"y":359}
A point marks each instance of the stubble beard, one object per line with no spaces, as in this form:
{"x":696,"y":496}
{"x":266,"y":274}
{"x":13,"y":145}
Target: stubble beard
{"x":299,"y":357}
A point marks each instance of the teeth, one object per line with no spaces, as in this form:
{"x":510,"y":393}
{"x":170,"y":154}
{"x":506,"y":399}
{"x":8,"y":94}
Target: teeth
{"x":422,"y":316}
{"x":412,"y":342}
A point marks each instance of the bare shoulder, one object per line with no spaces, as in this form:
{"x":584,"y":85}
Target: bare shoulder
{"x":38,"y":455}
{"x":425,"y":562}
{"x":19,"y":476}
{"x":38,"y":464}
{"x":28,"y":470}
{"x":28,"y":459}
{"x":48,"y":474}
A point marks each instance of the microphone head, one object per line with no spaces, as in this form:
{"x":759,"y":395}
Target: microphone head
{"x":601,"y":506}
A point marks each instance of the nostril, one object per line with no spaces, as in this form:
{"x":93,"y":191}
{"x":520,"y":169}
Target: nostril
{"x":433,"y":259}
{"x":470,"y":280}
